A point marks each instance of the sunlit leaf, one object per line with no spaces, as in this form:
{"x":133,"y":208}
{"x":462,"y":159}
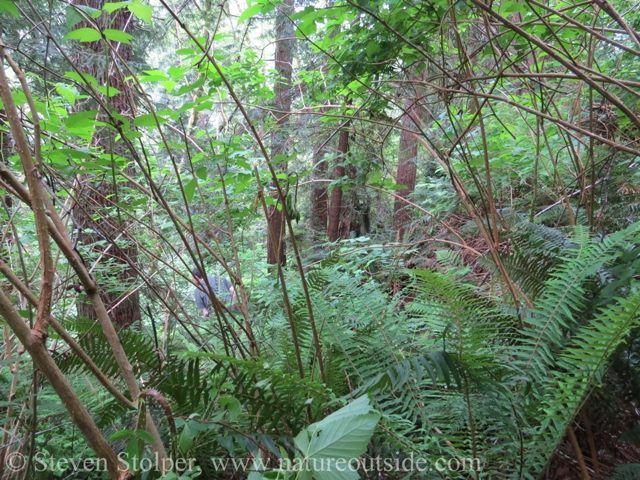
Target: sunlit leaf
{"x":84,"y":35}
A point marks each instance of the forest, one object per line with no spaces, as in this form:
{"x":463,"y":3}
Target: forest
{"x":330,"y":240}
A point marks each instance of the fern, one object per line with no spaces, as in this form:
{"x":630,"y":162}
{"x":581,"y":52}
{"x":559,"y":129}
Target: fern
{"x":564,"y":297}
{"x":580,"y":367}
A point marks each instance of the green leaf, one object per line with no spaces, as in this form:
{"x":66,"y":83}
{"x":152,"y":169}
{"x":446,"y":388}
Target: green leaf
{"x":232,"y":405}
{"x":144,"y":435}
{"x":190,"y":189}
{"x":186,"y":438}
{"x":69,"y":95}
{"x":113,"y":6}
{"x":147,"y":120}
{"x":121,"y":435}
{"x":118,"y":36}
{"x":372,"y":47}
{"x":9,"y":6}
{"x":341,"y":436}
{"x":133,"y":451}
{"x":74,"y":17}
{"x":84,"y":35}
{"x":202,"y":173}
{"x":308,"y":27}
{"x":143,"y":12}
{"x":84,"y":78}
{"x":359,"y":406}
{"x":250,"y":12}
{"x":109,"y":91}
{"x":80,"y":119}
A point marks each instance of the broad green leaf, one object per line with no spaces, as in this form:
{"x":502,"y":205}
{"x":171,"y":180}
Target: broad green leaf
{"x":143,"y":12}
{"x":169,"y":85}
{"x":230,"y":403}
{"x":73,"y":16}
{"x":190,"y":189}
{"x":9,"y":6}
{"x":84,"y":78}
{"x":250,"y":12}
{"x":121,"y":435}
{"x":202,"y":173}
{"x":308,"y":27}
{"x":84,"y":35}
{"x":133,"y":451}
{"x":91,"y":12}
{"x":109,"y":91}
{"x":118,"y":36}
{"x":144,"y":435}
{"x":372,"y":47}
{"x":360,"y":406}
{"x":327,"y":445}
{"x":147,"y":120}
{"x":186,"y":438}
{"x":69,"y":95}
{"x":113,"y":6}
{"x":80,"y":119}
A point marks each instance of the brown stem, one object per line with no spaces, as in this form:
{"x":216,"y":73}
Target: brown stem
{"x":79,"y":414}
{"x":59,"y":329}
{"x":592,"y":444}
{"x":578,"y":452}
{"x":36,"y":191}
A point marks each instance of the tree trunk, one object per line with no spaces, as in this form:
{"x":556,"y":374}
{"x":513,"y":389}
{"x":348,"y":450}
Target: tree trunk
{"x":97,"y":194}
{"x":335,"y":209}
{"x":319,"y":195}
{"x":5,"y":151}
{"x":282,"y":89}
{"x":407,"y":157}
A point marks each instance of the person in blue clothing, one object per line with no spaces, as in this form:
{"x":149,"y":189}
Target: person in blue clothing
{"x":221,"y":287}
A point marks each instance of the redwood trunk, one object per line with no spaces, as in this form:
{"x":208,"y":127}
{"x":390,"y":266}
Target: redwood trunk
{"x":335,"y":209}
{"x":97,"y":194}
{"x":319,"y":195}
{"x":407,"y":157}
{"x":283,"y":62}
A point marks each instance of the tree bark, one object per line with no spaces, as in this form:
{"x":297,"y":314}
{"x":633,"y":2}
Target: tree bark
{"x":96,"y":194}
{"x":284,"y":67}
{"x":319,"y":194}
{"x":335,"y":209}
{"x":407,"y":157}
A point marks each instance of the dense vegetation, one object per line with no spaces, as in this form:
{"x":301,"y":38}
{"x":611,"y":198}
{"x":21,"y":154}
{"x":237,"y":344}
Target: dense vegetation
{"x":428,"y":211}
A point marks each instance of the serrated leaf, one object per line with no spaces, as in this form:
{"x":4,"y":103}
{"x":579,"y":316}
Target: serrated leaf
{"x":143,"y":12}
{"x":108,"y":91}
{"x":308,"y":27}
{"x":121,"y":435}
{"x":118,"y":36}
{"x":113,"y":6}
{"x":80,"y":119}
{"x":72,"y":17}
{"x":84,"y":35}
{"x":144,"y":435}
{"x":68,"y":94}
{"x":84,"y":78}
{"x":147,"y":120}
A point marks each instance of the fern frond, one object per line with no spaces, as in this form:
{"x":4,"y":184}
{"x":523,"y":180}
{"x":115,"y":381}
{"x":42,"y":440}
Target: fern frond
{"x":564,"y":297}
{"x":580,"y":367}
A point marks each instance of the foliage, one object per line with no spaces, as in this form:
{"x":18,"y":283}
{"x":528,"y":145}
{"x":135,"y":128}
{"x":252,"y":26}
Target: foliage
{"x":504,"y":318}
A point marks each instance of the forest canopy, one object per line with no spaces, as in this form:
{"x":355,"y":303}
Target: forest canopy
{"x":319,"y":240}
